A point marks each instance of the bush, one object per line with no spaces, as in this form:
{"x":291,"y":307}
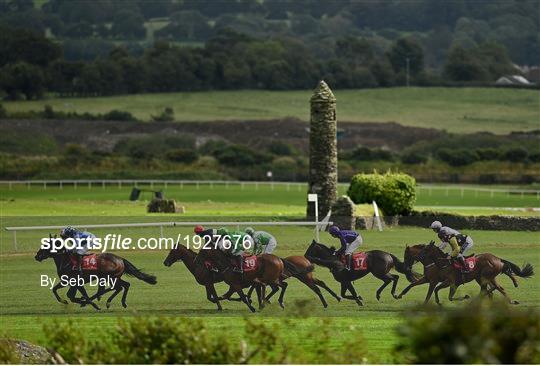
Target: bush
{"x":182,"y":156}
{"x":116,"y":115}
{"x":413,"y":157}
{"x":488,"y":154}
{"x":281,"y":148}
{"x":516,"y":155}
{"x":395,"y":193}
{"x":239,"y":155}
{"x":480,"y":332}
{"x":456,"y":157}
{"x":363,"y":153}
{"x":535,"y":157}
{"x":167,"y":115}
{"x":3,"y":112}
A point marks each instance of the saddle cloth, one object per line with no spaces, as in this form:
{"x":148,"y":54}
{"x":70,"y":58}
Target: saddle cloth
{"x":359,"y":261}
{"x":89,"y":262}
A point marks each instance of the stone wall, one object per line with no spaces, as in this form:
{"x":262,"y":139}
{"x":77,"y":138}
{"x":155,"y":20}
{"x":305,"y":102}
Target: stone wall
{"x":343,"y":213}
{"x":164,"y":206}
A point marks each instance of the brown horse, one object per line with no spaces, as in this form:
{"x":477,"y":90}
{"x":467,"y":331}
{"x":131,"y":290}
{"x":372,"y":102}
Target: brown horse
{"x":109,"y":266}
{"x":302,"y":270}
{"x":202,"y":274}
{"x":439,"y":272}
{"x":269,"y":271}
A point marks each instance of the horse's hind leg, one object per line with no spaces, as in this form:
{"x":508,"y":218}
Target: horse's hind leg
{"x":355,"y":296}
{"x":315,"y":289}
{"x":275,"y":289}
{"x":284,"y":286}
{"x":386,"y":278}
{"x":126,"y":286}
{"x":502,"y":291}
{"x":430,"y":292}
{"x":55,"y":289}
{"x":117,"y":288}
{"x":322,"y":284}
{"x":420,"y":281}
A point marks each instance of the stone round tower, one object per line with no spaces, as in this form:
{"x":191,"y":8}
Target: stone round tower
{"x":322,"y":149}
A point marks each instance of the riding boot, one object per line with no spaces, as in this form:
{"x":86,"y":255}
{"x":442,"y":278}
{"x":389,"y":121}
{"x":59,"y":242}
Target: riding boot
{"x":348,"y":261}
{"x":462,"y":262}
{"x":239,"y":265}
{"x":79,"y":263}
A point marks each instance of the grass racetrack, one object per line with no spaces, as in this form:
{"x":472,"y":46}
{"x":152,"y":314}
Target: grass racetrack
{"x":26,"y":306}
{"x":459,"y":110}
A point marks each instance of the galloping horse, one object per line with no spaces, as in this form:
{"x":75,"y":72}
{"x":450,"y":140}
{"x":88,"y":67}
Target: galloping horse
{"x":440,"y":273}
{"x":379,"y":263}
{"x":269,"y":272}
{"x":108,"y":266}
{"x":202,"y":274}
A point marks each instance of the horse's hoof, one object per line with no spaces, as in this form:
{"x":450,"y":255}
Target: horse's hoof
{"x":124,"y":305}
{"x":466,"y":297}
{"x":325,"y":306}
{"x":439,"y":304}
{"x":252,"y":310}
{"x":108,"y":305}
{"x":515,"y":302}
{"x":281,"y":305}
{"x":378,"y":297}
{"x":65,"y":302}
{"x":338,"y":299}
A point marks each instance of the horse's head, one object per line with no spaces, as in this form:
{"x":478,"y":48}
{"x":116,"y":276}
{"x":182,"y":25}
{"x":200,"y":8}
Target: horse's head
{"x":414,"y":254}
{"x":47,"y":249}
{"x":318,"y":250}
{"x":177,"y":253}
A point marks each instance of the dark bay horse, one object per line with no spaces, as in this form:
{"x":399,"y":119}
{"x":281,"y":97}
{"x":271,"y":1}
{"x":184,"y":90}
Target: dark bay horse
{"x":203,"y":275}
{"x":379,"y":263}
{"x":108,"y":266}
{"x":269,"y":272}
{"x":440,"y":273}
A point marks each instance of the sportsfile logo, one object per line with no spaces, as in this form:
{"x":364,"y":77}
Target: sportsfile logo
{"x":120,"y":242}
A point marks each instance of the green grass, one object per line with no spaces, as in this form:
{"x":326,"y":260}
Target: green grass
{"x":461,"y":110}
{"x":25,"y":306}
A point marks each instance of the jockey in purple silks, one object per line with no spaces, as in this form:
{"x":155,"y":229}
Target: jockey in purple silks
{"x":350,"y":240}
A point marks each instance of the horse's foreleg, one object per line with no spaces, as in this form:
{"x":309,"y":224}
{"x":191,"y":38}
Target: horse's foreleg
{"x":240,"y":293}
{"x":439,"y":287}
{"x":452,"y":292}
{"x":430,"y":292}
{"x":316,"y":289}
{"x":117,"y":290}
{"x":55,"y":289}
{"x":228,"y":294}
{"x":263,"y":296}
{"x":126,"y":286}
{"x":418,"y":282}
{"x":354,"y":296}
{"x":324,"y":286}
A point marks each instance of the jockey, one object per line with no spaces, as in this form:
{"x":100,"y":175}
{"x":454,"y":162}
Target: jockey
{"x":83,"y":241}
{"x":265,"y":243}
{"x":233,"y":243}
{"x":458,"y":242}
{"x":350,"y":240}
{"x":208,"y":235}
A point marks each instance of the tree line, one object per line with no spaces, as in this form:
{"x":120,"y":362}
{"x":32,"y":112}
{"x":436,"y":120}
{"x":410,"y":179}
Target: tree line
{"x":31,"y":65}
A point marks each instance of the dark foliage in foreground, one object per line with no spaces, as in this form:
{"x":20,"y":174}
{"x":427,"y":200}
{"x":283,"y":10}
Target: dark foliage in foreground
{"x":480,"y":332}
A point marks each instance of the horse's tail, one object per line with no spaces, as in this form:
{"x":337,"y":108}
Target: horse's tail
{"x":131,"y":270}
{"x":401,"y":268}
{"x":292,"y":270}
{"x":525,"y":272}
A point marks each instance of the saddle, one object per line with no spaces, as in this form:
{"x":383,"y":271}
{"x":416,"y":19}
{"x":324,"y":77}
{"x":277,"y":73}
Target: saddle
{"x":358,"y":261}
{"x":89,"y":262}
{"x":250,"y":262}
{"x":470,"y":261}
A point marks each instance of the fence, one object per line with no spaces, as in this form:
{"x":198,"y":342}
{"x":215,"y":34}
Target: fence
{"x":161,"y":225}
{"x":427,"y":188}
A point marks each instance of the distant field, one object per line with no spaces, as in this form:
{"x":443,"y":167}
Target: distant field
{"x":461,"y":110}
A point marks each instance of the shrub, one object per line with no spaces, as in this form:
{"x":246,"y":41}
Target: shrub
{"x":182,"y":155}
{"x":516,"y":155}
{"x":488,"y":154}
{"x":535,"y":157}
{"x":48,"y":112}
{"x":480,"y":332}
{"x":167,"y":115}
{"x":413,"y":157}
{"x":116,"y":115}
{"x":366,"y":154}
{"x":456,"y":157}
{"x":3,"y":112}
{"x":281,"y":148}
{"x":395,"y":193}
{"x":238,"y":155}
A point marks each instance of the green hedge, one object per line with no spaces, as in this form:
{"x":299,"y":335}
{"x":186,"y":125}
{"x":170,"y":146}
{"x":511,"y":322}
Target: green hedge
{"x":394,"y":193}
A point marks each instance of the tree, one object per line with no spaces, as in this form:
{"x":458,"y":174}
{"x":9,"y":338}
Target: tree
{"x":461,"y":65}
{"x":128,"y":24}
{"x":23,"y":79}
{"x":403,"y":49}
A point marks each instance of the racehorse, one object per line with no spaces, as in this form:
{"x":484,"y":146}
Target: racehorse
{"x":268,"y":272}
{"x":440,"y":273}
{"x":379,"y":263}
{"x":303,"y":271}
{"x":108,"y":266}
{"x":203,"y":275}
